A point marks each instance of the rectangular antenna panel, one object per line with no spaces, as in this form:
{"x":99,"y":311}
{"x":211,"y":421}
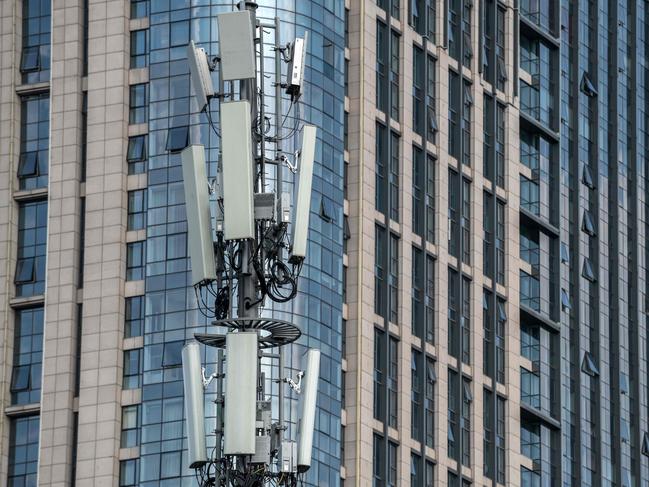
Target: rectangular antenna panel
{"x":199,"y":223}
{"x":303,"y":199}
{"x":240,"y":393}
{"x":297,"y":66}
{"x":237,"y":47}
{"x":236,"y":146}
{"x":307,"y":409}
{"x":200,"y":74}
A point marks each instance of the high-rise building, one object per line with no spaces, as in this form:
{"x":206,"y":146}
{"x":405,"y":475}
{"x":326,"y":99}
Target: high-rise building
{"x":476,"y":273}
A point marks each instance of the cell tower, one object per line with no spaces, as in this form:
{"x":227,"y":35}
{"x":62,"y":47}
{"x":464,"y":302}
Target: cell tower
{"x":253,"y":252}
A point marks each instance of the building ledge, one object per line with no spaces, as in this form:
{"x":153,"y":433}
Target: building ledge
{"x":533,"y":413}
{"x":23,"y":409}
{"x":30,"y":194}
{"x":27,"y":301}
{"x":33,"y":88}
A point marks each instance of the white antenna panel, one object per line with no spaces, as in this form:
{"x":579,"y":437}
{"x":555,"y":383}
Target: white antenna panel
{"x":199,"y":222}
{"x":200,"y":74}
{"x":194,"y":404}
{"x":236,"y":46}
{"x":303,"y":199}
{"x":236,"y":147}
{"x":306,"y":418}
{"x":240,"y":393}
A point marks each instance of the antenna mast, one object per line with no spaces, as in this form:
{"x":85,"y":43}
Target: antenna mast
{"x":248,"y":256}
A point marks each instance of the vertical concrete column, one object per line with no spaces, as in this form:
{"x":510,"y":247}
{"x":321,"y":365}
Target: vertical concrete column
{"x":10,"y":42}
{"x":105,"y":251}
{"x":59,"y":340}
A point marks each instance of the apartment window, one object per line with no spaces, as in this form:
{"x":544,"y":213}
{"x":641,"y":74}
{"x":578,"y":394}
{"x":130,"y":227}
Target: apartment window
{"x":415,"y":469}
{"x":128,"y":474}
{"x":34,"y":141}
{"x":429,"y":402}
{"x":177,"y":138}
{"x":454,"y":28}
{"x":136,"y":209}
{"x":35,"y":58}
{"x":500,"y":145}
{"x":453,"y":213}
{"x":394,"y":75}
{"x":487,"y":325}
{"x":136,"y":154}
{"x":23,"y":451}
{"x":381,"y":195}
{"x":430,"y":473}
{"x":419,"y":85}
{"x":466,"y":221}
{"x":386,"y":366}
{"x":378,"y":457}
{"x":453,"y":432}
{"x":379,"y":374}
{"x":134,"y":317}
{"x":416,"y":374}
{"x":130,"y":425}
{"x":501,"y":321}
{"x":500,"y":440}
{"x":393,"y":279}
{"x":418,"y":191}
{"x":382,"y":66}
{"x":393,"y":381}
{"x":500,"y":242}
{"x":466,"y":124}
{"x":394,"y":176}
{"x":501,"y":66}
{"x":139,"y":9}
{"x":488,"y":144}
{"x":392,"y":464}
{"x":430,"y":198}
{"x":430,"y":299}
{"x":138,"y":104}
{"x":32,"y":241}
{"x":28,"y":351}
{"x":139,"y":41}
{"x":530,"y":388}
{"x":488,"y":28}
{"x":418,"y":286}
{"x":391,"y":7}
{"x":530,"y":478}
{"x":380,"y":271}
{"x":431,"y":112}
{"x":488,"y":230}
{"x":466,"y":320}
{"x":135,"y":264}
{"x":466,"y":32}
{"x":454,"y":113}
{"x":488,"y":438}
{"x":131,"y":377}
{"x":453,"y":312}
{"x":467,"y":399}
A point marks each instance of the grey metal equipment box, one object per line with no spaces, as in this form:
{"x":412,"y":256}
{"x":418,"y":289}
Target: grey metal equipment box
{"x":236,"y":146}
{"x":262,"y":450}
{"x":288,"y":457}
{"x":237,"y":46}
{"x":264,"y":206}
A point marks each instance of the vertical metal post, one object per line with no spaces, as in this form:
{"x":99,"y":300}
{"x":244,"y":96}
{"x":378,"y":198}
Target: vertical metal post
{"x":247,"y":280}
{"x":278,"y":192}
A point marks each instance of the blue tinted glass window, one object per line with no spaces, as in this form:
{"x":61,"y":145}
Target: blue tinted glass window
{"x":34,"y":141}
{"x":28,"y":348}
{"x":32,"y":239}
{"x":23,"y":451}
{"x":35,"y":59}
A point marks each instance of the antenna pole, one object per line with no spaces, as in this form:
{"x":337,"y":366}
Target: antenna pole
{"x":247,"y":280}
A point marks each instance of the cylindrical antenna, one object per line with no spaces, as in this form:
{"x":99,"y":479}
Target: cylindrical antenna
{"x":306,"y":419}
{"x":194,"y":406}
